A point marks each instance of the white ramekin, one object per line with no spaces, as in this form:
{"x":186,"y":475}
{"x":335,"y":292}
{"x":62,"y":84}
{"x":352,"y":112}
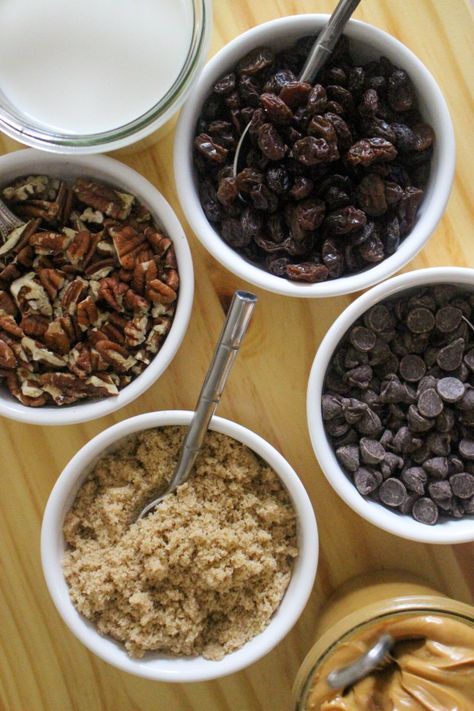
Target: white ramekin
{"x":155,"y":666}
{"x":448,"y":531}
{"x":368,"y":42}
{"x":31,"y":161}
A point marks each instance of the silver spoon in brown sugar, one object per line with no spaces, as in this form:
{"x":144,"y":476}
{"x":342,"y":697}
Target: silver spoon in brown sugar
{"x":317,"y":58}
{"x":233,"y":332}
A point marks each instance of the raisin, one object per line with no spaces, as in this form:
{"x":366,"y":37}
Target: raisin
{"x":371,"y":195}
{"x":317,"y":100}
{"x":307,"y":272}
{"x":400,"y":91}
{"x":211,"y":150}
{"x":295,"y":93}
{"x":311,"y":151}
{"x":371,"y":150}
{"x":276,"y":109}
{"x":255,"y":61}
{"x":278,"y":179}
{"x":249,"y":91}
{"x":345,"y":220}
{"x":225,"y":84}
{"x":270,"y":142}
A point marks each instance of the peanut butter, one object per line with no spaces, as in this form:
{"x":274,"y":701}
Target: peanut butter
{"x":432,"y":668}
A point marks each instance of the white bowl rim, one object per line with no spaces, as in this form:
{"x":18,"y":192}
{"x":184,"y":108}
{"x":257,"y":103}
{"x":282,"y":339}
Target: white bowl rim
{"x":122,"y":175}
{"x":189,"y":200}
{"x":300,"y":585}
{"x":447,"y":532}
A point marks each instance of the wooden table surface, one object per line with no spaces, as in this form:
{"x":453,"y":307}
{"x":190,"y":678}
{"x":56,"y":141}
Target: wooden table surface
{"x":42,"y":666}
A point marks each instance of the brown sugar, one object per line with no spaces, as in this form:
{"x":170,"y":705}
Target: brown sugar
{"x":205,"y":571}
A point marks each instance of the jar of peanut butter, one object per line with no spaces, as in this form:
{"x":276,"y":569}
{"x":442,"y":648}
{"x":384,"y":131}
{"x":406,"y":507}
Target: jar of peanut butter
{"x":431,"y":665}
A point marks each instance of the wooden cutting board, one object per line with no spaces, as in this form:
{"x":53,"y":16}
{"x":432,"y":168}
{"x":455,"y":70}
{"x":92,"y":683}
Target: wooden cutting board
{"x":42,"y":666}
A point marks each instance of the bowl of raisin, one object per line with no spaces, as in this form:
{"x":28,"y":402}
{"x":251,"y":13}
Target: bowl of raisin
{"x":340,"y":182}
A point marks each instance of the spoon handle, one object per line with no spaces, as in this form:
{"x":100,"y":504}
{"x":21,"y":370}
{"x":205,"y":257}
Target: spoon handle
{"x":327,"y":39}
{"x":235,"y":327}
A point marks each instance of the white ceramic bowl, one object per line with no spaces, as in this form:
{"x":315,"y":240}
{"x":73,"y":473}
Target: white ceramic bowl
{"x":448,"y":531}
{"x":156,"y":666}
{"x":30,"y":161}
{"x":368,"y":42}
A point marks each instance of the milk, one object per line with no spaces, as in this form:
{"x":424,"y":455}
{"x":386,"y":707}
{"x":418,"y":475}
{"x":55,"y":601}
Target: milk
{"x":86,"y":66}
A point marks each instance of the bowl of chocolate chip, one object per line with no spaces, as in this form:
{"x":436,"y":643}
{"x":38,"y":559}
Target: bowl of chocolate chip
{"x":340,"y":183}
{"x":390,"y":405}
{"x":96,"y":286}
{"x":204,"y":585}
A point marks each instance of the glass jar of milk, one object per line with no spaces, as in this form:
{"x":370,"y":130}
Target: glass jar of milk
{"x":85,"y":76}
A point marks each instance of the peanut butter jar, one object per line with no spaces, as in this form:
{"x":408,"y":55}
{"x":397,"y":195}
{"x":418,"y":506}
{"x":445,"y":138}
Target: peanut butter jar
{"x":432,"y":663}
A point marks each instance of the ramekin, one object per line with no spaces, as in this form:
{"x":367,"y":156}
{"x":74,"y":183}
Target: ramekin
{"x":155,"y":666}
{"x":368,"y":42}
{"x":447,"y":531}
{"x":30,"y":161}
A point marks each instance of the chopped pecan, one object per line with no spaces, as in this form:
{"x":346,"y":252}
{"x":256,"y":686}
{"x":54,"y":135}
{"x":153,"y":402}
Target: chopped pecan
{"x":159,"y":291}
{"x":25,"y":256}
{"x":160,"y":244}
{"x":113,"y":333}
{"x":13,"y":385}
{"x":58,"y":336}
{"x":136,"y":330}
{"x":116,"y":355}
{"x":82,"y":248}
{"x":63,"y":388}
{"x":52,"y":280}
{"x":34,"y":325}
{"x":87,"y":313}
{"x":8,"y":324}
{"x":143,"y":273}
{"x":7,"y":304}
{"x":171,"y":278}
{"x":100,"y":268}
{"x":9,"y":273}
{"x":85,"y":360}
{"x":7,"y":356}
{"x":38,"y":353}
{"x":112,"y":291}
{"x":30,"y":295}
{"x":102,"y":385}
{"x":72,"y":293}
{"x":136,"y":303}
{"x":157,"y":333}
{"x":104,"y":198}
{"x":128,"y":244}
{"x":49,"y":243}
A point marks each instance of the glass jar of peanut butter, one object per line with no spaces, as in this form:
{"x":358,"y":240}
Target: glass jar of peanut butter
{"x":431,"y":664}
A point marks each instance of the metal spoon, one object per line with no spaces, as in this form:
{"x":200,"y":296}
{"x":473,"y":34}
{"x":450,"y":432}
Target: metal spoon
{"x":346,"y":676}
{"x":8,"y":221}
{"x":235,"y":327}
{"x":320,"y":53}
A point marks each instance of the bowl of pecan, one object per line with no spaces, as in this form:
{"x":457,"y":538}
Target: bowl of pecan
{"x":208,"y":582}
{"x":96,"y":287}
{"x":341,"y":183}
{"x":390,"y":405}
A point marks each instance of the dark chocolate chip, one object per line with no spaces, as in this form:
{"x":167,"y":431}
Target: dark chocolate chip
{"x":440,"y":490}
{"x":425,"y":511}
{"x":362,"y":339}
{"x":416,"y":421}
{"x":450,"y":389}
{"x":430,"y":403}
{"x":331,"y":407}
{"x":468,"y":506}
{"x":466,"y":448}
{"x":407,"y":506}
{"x":371,"y":451}
{"x":466,"y":403}
{"x":379,"y":318}
{"x":366,"y":480}
{"x":462,"y":485}
{"x":448,"y":318}
{"x":439,"y":443}
{"x":450,"y":357}
{"x":348,"y":456}
{"x":415,"y":479}
{"x":427,"y":382}
{"x":469,"y":359}
{"x":369,"y":424}
{"x":392,"y":492}
{"x":337,"y":427}
{"x":445,"y":421}
{"x":402,"y":440}
{"x":412,"y":367}
{"x":420,"y":320}
{"x":437,"y":467}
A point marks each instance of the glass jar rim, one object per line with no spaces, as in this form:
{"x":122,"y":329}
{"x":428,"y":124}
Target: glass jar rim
{"x":14,"y":125}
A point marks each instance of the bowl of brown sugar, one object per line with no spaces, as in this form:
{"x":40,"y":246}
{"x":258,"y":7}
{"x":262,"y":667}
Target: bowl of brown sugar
{"x":208,"y":582}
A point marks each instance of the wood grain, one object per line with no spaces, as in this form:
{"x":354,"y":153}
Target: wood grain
{"x":42,"y":666}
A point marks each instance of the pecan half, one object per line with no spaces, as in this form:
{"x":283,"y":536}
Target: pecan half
{"x":116,"y":355}
{"x":7,"y":356}
{"x":159,"y":291}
